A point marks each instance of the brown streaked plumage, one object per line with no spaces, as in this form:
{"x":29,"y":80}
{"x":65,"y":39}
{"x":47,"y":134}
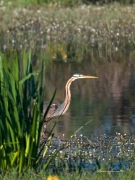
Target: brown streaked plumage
{"x":57,"y":109}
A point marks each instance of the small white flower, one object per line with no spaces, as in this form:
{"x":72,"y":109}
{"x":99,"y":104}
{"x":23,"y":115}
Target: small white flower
{"x":21,"y":46}
{"x":116,"y":49}
{"x":4,"y":47}
{"x":13,"y":41}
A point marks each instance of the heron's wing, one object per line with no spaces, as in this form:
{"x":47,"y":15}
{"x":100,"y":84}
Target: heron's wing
{"x":54,"y":106}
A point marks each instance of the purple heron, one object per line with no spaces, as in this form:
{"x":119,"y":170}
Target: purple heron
{"x":56,"y":109}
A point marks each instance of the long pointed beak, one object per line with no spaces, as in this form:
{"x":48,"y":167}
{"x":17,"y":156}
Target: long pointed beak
{"x":89,"y":77}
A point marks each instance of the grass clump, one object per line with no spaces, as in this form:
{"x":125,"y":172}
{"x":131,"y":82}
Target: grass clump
{"x":31,"y":175}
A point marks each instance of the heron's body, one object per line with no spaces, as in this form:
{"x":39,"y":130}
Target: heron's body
{"x":56,"y":109}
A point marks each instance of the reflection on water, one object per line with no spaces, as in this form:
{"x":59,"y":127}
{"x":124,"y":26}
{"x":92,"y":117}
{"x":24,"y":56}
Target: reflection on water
{"x":108,"y":101}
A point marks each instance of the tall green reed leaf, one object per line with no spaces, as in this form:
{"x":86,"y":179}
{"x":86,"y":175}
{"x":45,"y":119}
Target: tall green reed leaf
{"x":21,"y":107}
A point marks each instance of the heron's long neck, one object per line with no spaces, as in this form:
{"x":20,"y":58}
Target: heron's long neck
{"x":68,"y":96}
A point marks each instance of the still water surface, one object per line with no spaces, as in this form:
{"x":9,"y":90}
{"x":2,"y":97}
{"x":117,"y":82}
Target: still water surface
{"x":109,"y":101}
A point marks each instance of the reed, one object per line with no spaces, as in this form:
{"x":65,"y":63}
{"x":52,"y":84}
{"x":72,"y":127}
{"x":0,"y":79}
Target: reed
{"x":21,"y":107}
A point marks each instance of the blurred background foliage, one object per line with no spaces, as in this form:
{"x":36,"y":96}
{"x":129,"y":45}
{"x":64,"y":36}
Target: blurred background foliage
{"x":66,"y":3}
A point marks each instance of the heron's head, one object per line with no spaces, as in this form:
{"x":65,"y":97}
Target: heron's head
{"x":79,"y":76}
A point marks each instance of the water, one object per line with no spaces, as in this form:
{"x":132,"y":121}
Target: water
{"x":108,"y":102}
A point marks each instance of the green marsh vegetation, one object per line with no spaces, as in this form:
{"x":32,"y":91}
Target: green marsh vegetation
{"x":69,"y":34}
{"x":42,"y":35}
{"x":21,"y":107}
